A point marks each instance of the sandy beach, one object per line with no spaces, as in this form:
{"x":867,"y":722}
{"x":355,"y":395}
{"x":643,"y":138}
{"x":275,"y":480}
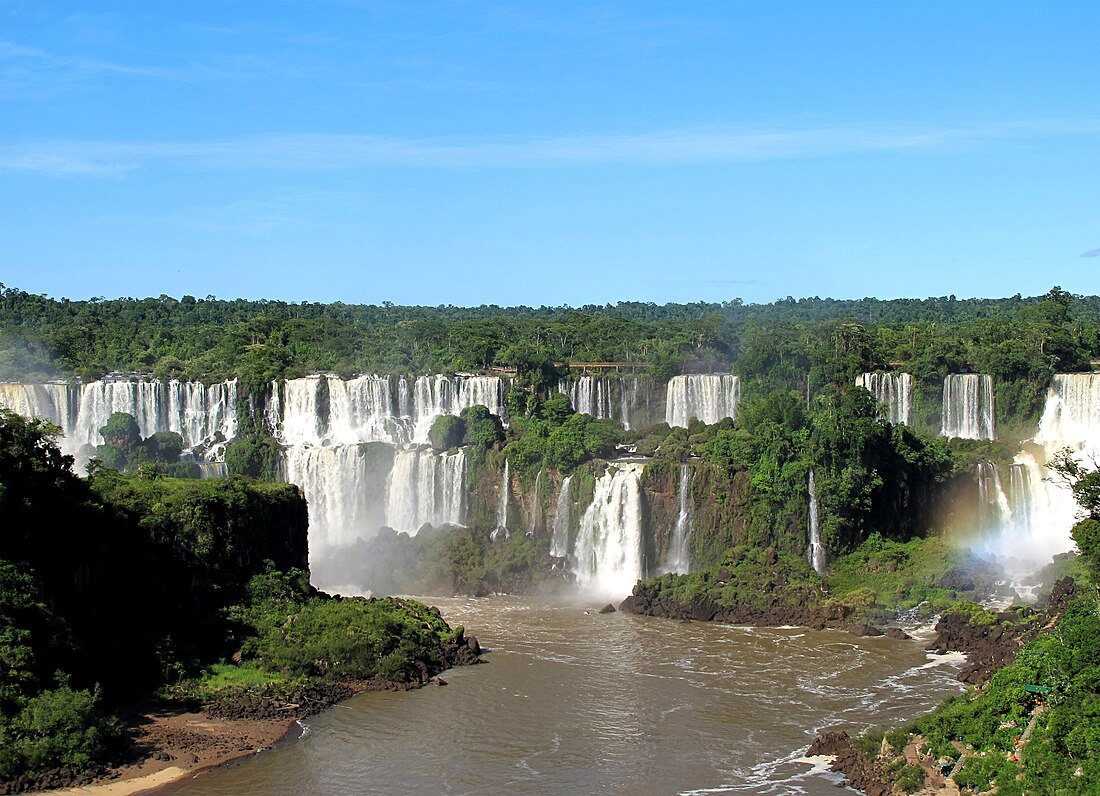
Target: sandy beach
{"x":179,"y":745}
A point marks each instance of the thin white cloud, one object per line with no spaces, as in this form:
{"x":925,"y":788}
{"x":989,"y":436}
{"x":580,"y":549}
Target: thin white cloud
{"x":34,"y":73}
{"x":325,"y":151}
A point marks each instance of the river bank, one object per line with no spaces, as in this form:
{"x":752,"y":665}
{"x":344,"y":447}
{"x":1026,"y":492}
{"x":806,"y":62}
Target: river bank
{"x":167,"y":743}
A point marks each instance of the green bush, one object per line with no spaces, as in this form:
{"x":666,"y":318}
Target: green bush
{"x":447,"y":432}
{"x":54,"y":729}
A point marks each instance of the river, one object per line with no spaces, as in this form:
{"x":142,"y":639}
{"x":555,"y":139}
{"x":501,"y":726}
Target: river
{"x":571,"y":701}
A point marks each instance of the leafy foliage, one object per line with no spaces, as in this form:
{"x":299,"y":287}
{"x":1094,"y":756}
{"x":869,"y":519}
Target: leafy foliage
{"x":296,"y":631}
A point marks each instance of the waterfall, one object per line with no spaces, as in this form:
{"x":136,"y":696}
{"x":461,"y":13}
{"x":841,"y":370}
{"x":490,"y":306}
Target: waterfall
{"x":627,"y":396}
{"x":559,"y":541}
{"x":968,"y":407}
{"x":993,"y":505}
{"x":535,"y":504}
{"x":602,"y":397}
{"x":212,"y":469}
{"x":325,"y":410}
{"x":426,"y":488}
{"x":55,"y":402}
{"x":708,"y":397}
{"x":678,"y":559}
{"x":501,"y":530}
{"x":895,"y":391}
{"x":205,"y":416}
{"x":608,"y":550}
{"x":816,"y":551}
{"x":1071,"y":417}
{"x":345,"y":488}
{"x":1037,"y":514}
{"x":327,"y":425}
{"x":1019,"y":496}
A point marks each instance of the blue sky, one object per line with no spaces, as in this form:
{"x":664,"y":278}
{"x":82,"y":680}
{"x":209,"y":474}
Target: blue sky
{"x":549,"y":153}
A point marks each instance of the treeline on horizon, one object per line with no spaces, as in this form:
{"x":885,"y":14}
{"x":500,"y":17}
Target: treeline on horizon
{"x":1013,"y":339}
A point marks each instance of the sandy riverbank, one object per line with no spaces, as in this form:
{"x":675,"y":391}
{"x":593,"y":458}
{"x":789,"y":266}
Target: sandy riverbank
{"x":179,"y":745}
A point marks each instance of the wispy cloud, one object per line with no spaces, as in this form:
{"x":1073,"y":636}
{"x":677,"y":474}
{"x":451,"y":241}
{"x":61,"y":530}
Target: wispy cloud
{"x":1090,"y":253}
{"x":29,"y":71}
{"x":34,"y":73}
{"x":325,"y":151}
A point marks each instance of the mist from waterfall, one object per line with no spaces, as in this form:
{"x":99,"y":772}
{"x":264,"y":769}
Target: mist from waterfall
{"x":607,"y":557}
{"x":1030,"y":520}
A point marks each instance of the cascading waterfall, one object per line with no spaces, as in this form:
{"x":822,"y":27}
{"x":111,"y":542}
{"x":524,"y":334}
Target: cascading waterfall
{"x":993,"y":505}
{"x":608,"y":549}
{"x":330,"y":430}
{"x":602,"y":397}
{"x":535,"y":503}
{"x":212,"y":469}
{"x":678,"y":559}
{"x":559,"y":540}
{"x":1019,"y":496}
{"x":55,"y":402}
{"x":204,"y":415}
{"x":345,"y":494}
{"x":894,"y":390}
{"x":968,"y":407}
{"x":708,"y":397}
{"x":627,"y":396}
{"x":426,"y":488}
{"x":1038,"y":512}
{"x":325,"y":422}
{"x":816,"y":551}
{"x":501,"y":530}
{"x":325,"y":410}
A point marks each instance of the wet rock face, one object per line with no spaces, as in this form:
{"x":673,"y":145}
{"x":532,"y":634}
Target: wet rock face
{"x":862,"y":773}
{"x":991,"y":646}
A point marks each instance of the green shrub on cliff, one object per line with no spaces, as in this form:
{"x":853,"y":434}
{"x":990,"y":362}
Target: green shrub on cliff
{"x":447,"y":432}
{"x":483,"y":428}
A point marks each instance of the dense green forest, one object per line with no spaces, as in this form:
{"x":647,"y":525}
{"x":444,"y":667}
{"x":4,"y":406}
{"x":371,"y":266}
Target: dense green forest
{"x":1012,"y":339}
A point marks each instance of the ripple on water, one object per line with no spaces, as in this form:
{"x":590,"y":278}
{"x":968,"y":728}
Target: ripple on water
{"x":614,"y":703}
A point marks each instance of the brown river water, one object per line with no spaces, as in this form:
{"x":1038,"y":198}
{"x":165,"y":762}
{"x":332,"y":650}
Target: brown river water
{"x":574,"y":702}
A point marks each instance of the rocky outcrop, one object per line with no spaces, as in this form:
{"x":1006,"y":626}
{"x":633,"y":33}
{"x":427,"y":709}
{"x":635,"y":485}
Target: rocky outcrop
{"x":463,"y":651}
{"x":774,"y":601}
{"x":861,"y":773}
{"x":992,"y":641}
{"x":272,"y":702}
